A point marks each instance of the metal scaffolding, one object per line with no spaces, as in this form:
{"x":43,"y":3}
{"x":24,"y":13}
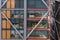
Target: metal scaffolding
{"x":25,"y":16}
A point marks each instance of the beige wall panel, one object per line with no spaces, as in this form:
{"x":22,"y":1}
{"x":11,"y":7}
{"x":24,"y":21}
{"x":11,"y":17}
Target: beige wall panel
{"x":3,"y":11}
{"x":8,"y":25}
{"x":8,"y":4}
{"x":12,"y":3}
{"x":3,"y":23}
{"x":3,"y":33}
{"x":8,"y":33}
{"x":8,"y":13}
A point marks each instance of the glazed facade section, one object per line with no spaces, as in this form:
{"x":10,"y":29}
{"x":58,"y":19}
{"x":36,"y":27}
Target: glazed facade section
{"x":14,"y":11}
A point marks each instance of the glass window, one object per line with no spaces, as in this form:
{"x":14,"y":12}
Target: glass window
{"x":2,"y":1}
{"x":52,"y":1}
{"x":36,"y":13}
{"x":14,"y":34}
{"x":17,"y":14}
{"x":18,"y":25}
{"x":17,"y":18}
{"x":19,"y":3}
{"x":36,"y":4}
{"x":40,"y":4}
{"x":31,"y":3}
{"x":39,"y":33}
{"x":43,"y":24}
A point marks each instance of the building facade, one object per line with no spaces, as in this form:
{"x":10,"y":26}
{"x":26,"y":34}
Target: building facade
{"x":19,"y":17}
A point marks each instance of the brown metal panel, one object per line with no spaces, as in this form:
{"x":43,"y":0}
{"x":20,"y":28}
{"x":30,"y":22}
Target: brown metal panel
{"x":3,"y":23}
{"x":3,"y":33}
{"x":8,"y":33}
{"x":8,"y":16}
{"x":8,"y":4}
{"x":8,"y":25}
{"x":12,"y":3}
{"x":3,"y":11}
{"x":8,"y":13}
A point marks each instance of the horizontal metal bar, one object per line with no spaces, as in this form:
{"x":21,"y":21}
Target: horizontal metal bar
{"x":12,"y":39}
{"x":12,"y":9}
{"x":12,"y":29}
{"x":18,"y":19}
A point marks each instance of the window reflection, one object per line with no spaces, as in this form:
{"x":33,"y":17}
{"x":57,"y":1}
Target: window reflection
{"x":14,"y":34}
{"x":2,"y":1}
{"x":17,"y":18}
{"x":17,"y":14}
{"x":39,"y":33}
{"x":36,"y":4}
{"x":43,"y":24}
{"x":19,"y":3}
{"x":36,"y":13}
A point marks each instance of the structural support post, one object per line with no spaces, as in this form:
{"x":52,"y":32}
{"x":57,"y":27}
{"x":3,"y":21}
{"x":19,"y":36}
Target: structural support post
{"x":25,"y":16}
{"x":0,"y":20}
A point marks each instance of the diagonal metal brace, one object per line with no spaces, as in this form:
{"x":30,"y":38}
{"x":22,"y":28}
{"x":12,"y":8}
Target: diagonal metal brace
{"x":9,"y":20}
{"x":12,"y":25}
{"x":3,"y":4}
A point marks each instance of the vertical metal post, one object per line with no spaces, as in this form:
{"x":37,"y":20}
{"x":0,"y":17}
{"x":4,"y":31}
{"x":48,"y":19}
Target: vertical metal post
{"x":0,"y":20}
{"x":25,"y":16}
{"x":49,"y":15}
